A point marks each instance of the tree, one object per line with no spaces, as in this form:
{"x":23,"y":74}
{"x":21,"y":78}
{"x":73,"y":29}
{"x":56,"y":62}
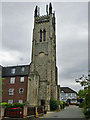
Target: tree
{"x":85,"y":81}
{"x":82,"y":93}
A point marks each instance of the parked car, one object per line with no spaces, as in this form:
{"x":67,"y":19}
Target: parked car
{"x":77,"y":104}
{"x":67,"y":104}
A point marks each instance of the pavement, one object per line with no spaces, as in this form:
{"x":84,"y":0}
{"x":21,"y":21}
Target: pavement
{"x":68,"y":113}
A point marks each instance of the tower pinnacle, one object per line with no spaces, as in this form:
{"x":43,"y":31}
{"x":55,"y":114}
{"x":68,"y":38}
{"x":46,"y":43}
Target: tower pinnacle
{"x":50,"y":8}
{"x":36,"y":11}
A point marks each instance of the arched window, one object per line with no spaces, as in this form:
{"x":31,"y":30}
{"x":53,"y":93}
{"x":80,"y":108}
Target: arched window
{"x":40,"y":35}
{"x":44,"y":35}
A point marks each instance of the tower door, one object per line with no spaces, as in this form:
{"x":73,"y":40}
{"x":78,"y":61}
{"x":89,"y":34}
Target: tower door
{"x":42,"y":102}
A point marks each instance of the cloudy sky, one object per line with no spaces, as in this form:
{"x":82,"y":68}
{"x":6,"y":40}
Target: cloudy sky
{"x":71,"y":37}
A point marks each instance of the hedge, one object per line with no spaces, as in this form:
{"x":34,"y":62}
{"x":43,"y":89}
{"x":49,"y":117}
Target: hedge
{"x":8,"y":105}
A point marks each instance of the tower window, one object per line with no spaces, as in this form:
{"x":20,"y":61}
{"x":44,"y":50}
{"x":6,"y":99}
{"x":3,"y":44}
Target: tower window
{"x":40,"y":35}
{"x":44,"y":35}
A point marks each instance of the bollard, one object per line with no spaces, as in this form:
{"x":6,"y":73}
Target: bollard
{"x":36,"y":114}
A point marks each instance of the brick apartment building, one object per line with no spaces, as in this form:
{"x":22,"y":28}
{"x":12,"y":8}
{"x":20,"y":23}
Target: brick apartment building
{"x":15,"y":83}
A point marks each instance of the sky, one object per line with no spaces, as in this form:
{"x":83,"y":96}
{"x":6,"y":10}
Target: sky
{"x":71,"y":37}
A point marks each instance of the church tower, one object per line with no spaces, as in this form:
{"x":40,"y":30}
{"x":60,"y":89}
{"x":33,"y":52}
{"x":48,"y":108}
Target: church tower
{"x":42,"y":83}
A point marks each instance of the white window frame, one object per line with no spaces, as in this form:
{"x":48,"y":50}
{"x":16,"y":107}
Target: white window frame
{"x":11,"y":91}
{"x":75,"y":95}
{"x":62,"y":91}
{"x":13,"y":70}
{"x":71,"y":94}
{"x":10,"y":101}
{"x":21,"y":79}
{"x":20,"y":101}
{"x":22,"y":69}
{"x":12,"y":80}
{"x":66,"y":94}
{"x":20,"y":91}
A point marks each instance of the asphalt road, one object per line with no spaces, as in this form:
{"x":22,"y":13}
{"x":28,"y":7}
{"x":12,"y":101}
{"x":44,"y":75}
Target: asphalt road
{"x":69,"y":112}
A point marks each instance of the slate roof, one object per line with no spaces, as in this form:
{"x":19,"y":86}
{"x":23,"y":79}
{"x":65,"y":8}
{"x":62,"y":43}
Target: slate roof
{"x":6,"y":71}
{"x":67,"y":90}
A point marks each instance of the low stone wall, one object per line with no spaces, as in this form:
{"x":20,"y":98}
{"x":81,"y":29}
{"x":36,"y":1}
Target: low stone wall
{"x":28,"y":112}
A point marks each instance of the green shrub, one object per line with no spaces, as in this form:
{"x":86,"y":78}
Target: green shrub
{"x":86,"y":111}
{"x":83,"y":104}
{"x":18,"y":104}
{"x":4,"y":104}
{"x":62,"y":104}
{"x":8,"y":105}
{"x":54,"y":105}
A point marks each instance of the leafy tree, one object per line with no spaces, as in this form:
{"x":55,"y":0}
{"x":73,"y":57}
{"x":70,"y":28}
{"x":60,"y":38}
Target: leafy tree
{"x":82,"y":93}
{"x":85,"y":81}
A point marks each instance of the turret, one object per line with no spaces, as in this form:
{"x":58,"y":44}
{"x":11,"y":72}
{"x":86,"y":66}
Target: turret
{"x":36,"y":11}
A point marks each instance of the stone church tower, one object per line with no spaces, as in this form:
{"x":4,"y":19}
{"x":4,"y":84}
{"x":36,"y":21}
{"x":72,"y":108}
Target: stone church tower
{"x":42,"y":83}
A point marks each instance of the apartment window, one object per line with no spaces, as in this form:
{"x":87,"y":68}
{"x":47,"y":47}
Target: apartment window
{"x":21,"y":90}
{"x":12,"y":80}
{"x":10,"y":101}
{"x":22,"y":79}
{"x":11,"y":91}
{"x":20,"y":101}
{"x":22,"y":69}
{"x":13,"y":70}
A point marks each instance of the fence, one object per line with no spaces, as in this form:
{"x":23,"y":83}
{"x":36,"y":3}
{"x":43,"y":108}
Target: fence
{"x":13,"y":112}
{"x":31,"y":111}
{"x":25,"y":112}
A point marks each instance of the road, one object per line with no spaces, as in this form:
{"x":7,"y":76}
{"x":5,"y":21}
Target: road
{"x":68,"y":112}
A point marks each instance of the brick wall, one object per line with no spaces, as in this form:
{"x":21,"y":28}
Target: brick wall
{"x":16,"y":86}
